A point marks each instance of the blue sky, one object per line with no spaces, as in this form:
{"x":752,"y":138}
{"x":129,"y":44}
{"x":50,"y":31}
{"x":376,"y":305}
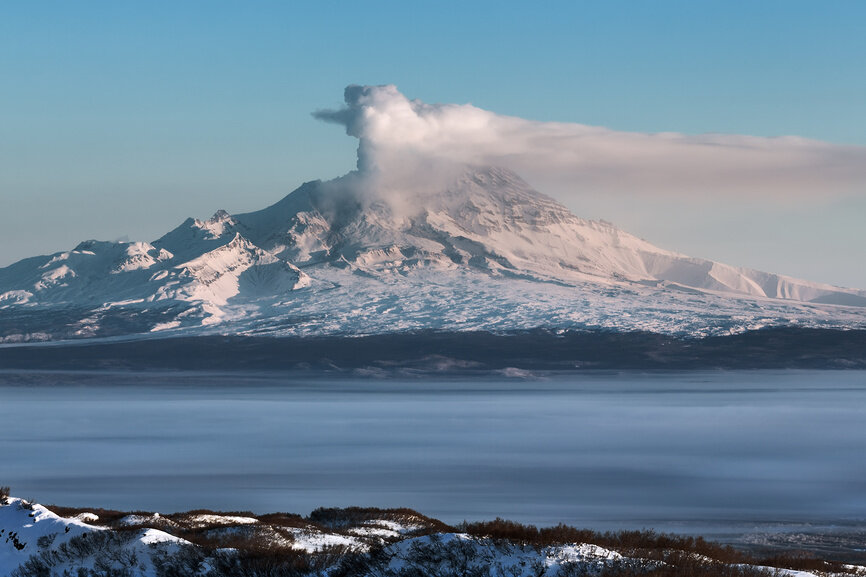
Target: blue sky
{"x":123,"y":118}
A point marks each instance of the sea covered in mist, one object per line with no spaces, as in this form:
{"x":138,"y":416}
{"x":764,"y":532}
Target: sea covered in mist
{"x":716,"y":452}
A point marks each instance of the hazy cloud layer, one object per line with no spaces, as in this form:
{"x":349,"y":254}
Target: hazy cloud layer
{"x":399,"y":136}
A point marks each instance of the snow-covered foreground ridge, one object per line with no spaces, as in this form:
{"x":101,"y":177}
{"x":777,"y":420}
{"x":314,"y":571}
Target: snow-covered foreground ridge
{"x":35,"y":540}
{"x":483,"y":252}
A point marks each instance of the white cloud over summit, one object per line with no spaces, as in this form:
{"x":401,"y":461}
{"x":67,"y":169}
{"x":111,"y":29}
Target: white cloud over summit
{"x":398,"y":135}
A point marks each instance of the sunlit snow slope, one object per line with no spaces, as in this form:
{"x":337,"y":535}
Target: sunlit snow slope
{"x":486,"y":252}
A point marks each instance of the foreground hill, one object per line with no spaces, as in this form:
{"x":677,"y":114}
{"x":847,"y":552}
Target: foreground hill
{"x":48,"y":541}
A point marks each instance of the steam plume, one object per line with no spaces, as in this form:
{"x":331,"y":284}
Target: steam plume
{"x":402,"y":139}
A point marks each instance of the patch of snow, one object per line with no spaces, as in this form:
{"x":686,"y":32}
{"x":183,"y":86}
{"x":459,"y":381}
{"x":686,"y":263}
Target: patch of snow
{"x":313,"y":541}
{"x":18,"y":297}
{"x":130,"y":520}
{"x":153,"y":536}
{"x":207,"y":520}
{"x":165,"y":326}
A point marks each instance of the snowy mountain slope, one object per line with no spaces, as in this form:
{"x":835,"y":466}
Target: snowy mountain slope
{"x":118,"y":268}
{"x":490,"y":219}
{"x":483,"y":252}
{"x":237,"y":267}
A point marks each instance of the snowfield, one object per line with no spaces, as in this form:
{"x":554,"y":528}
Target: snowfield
{"x":486,"y":252}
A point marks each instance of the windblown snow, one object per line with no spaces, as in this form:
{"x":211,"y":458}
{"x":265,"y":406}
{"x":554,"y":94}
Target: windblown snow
{"x":481,"y":251}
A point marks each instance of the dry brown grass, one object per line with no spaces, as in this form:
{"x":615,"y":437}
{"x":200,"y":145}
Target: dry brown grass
{"x":341,"y":518}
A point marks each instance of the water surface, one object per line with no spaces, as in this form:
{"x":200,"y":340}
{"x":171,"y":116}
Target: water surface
{"x":682,"y":451}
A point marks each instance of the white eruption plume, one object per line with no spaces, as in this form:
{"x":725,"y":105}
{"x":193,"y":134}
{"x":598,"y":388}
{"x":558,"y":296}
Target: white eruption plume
{"x":406,"y":143}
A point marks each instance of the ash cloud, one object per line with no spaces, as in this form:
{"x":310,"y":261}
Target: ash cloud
{"x":404,"y":142}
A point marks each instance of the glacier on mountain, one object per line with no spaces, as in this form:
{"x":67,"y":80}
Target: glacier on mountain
{"x":480,"y":251}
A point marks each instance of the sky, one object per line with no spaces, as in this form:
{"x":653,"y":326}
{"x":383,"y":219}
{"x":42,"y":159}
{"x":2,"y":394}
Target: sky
{"x":119,"y":119}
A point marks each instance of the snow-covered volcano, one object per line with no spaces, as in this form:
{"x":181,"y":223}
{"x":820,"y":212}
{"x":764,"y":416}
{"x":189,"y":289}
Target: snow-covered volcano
{"x":483,"y":252}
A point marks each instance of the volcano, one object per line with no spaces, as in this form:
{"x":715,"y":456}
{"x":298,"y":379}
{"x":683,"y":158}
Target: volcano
{"x":483,"y":252}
